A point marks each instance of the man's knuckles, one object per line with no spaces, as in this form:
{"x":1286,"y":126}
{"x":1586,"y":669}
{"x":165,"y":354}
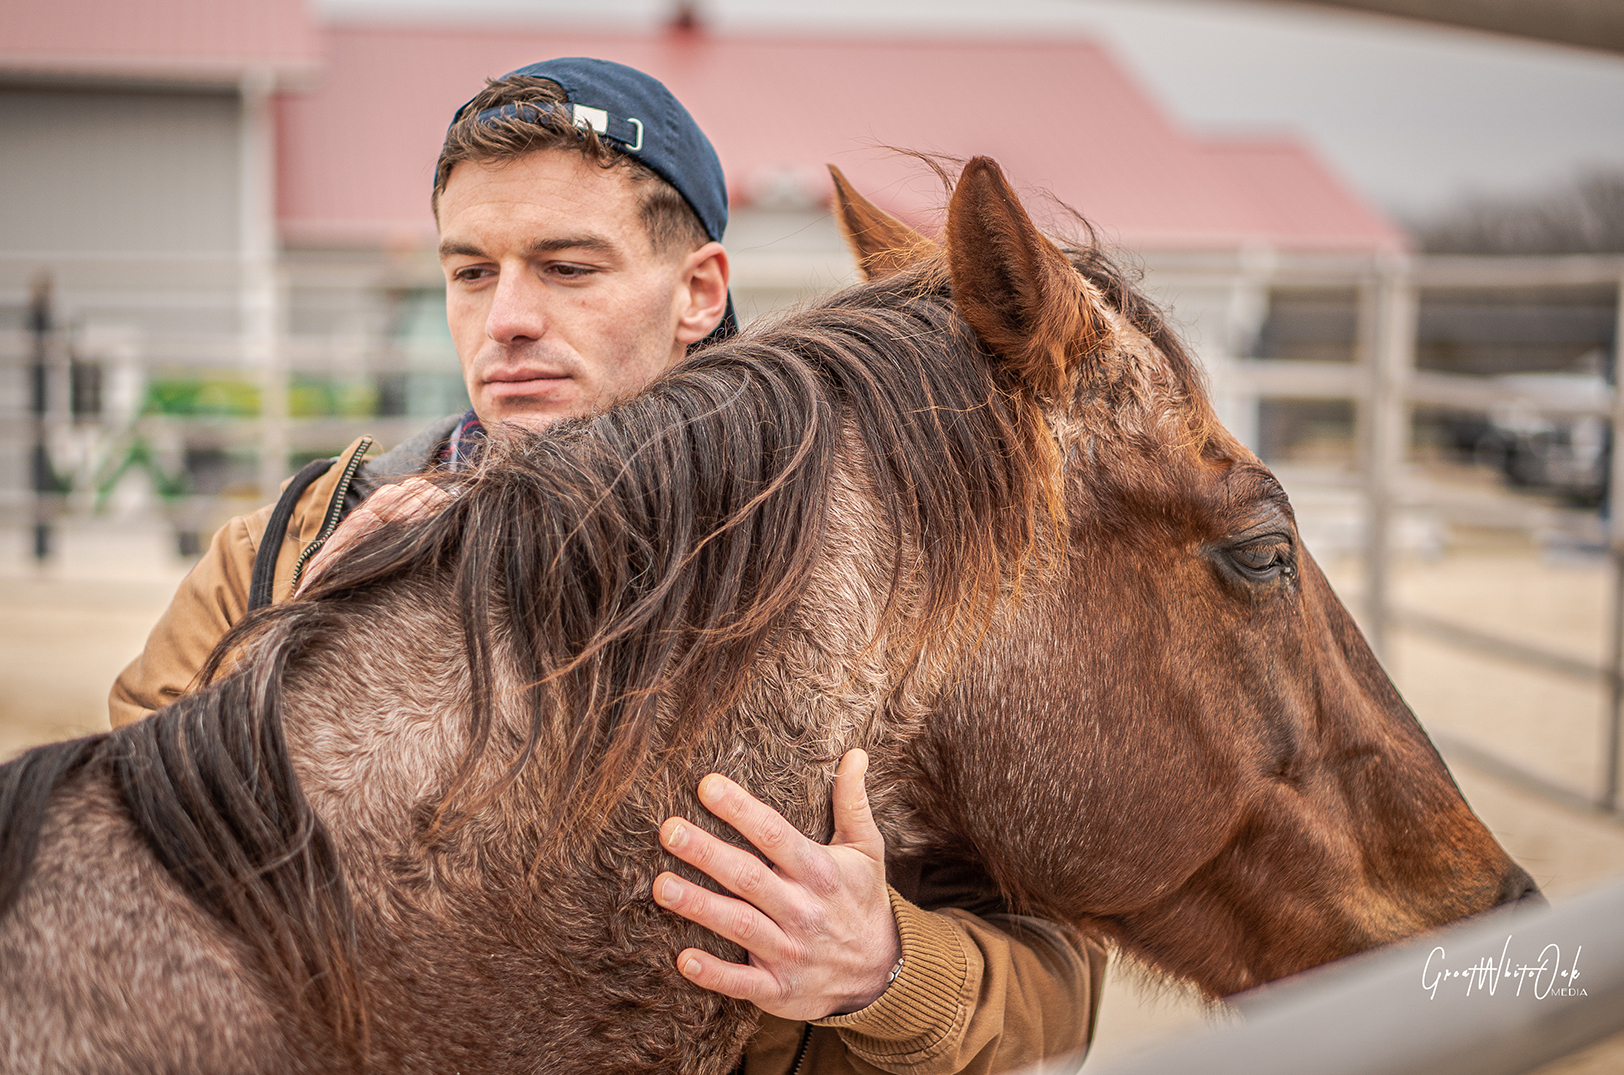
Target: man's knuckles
{"x":813,"y":922}
{"x":774,"y":835}
{"x":821,"y":875}
{"x":745,"y":924}
{"x":750,"y":880}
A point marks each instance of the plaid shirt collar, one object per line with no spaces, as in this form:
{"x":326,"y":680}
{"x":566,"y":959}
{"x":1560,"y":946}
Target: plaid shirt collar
{"x":462,"y":448}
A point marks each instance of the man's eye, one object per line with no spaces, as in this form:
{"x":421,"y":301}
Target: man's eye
{"x":471,"y":274}
{"x":570,"y":272}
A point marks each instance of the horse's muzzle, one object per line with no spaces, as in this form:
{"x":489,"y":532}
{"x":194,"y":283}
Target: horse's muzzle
{"x":1518,"y":890}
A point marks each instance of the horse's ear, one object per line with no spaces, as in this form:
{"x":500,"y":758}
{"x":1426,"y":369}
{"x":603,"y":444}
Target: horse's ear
{"x":1015,"y":287}
{"x":881,"y":243}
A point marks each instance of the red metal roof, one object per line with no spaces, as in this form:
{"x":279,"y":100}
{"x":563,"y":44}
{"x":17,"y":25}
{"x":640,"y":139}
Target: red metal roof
{"x":357,"y":154}
{"x":179,"y":39}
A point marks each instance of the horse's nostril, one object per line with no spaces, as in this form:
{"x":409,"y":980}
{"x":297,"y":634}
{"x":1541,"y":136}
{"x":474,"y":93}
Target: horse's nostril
{"x":1519,"y":888}
{"x":1532,"y":900}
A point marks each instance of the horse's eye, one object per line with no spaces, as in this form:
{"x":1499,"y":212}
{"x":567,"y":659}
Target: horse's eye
{"x":1264,"y":559}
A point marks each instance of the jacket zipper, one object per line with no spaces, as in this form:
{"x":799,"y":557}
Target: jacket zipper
{"x":800,"y":1054}
{"x":335,"y":508}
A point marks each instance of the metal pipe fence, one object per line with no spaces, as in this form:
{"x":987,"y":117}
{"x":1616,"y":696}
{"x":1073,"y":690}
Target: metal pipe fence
{"x":197,"y":381}
{"x":229,"y":313}
{"x":1385,"y":386}
{"x":1327,"y":1024}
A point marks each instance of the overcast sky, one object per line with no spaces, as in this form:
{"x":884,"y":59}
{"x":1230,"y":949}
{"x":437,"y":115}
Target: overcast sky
{"x":1415,"y":116}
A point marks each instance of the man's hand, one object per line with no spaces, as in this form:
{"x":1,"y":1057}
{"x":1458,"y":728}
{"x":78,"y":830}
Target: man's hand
{"x":818,"y":924}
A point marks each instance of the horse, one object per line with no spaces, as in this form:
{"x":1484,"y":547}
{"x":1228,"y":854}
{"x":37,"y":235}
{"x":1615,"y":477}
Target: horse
{"x":973,"y":514}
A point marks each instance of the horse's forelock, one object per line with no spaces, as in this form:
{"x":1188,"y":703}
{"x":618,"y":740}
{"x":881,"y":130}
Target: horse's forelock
{"x":1140,"y":416}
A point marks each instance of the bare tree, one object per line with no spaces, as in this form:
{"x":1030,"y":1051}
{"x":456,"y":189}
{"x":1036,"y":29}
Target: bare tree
{"x":1584,"y":216}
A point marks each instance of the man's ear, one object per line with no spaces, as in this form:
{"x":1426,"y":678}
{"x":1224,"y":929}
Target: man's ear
{"x":880,"y":242}
{"x":702,"y":290}
{"x":1015,"y":287}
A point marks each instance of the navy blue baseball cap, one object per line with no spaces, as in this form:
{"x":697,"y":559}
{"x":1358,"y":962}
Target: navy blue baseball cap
{"x":638,"y":116}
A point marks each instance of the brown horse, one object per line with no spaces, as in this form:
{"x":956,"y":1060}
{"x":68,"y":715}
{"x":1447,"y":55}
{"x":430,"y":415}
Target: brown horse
{"x":974,"y":515}
{"x":1249,"y":795}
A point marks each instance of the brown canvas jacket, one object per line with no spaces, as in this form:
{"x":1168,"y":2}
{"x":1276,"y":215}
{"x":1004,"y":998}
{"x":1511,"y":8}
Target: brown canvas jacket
{"x":977,"y":993}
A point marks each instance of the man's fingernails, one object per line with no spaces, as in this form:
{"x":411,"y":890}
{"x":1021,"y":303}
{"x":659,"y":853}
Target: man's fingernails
{"x":676,"y":836}
{"x":690,"y":967}
{"x":670,"y":890}
{"x":710,"y":787}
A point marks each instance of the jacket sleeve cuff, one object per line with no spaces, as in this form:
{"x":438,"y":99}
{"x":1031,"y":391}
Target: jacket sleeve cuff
{"x":927,"y":1001}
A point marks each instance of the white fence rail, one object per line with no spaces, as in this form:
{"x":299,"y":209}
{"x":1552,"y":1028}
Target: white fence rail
{"x":1385,"y":386}
{"x":1499,"y":995}
{"x":125,"y":329}
{"x":237,"y":309}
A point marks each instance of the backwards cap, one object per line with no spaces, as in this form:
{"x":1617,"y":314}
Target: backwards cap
{"x":640,"y":118}
{"x":643,"y":120}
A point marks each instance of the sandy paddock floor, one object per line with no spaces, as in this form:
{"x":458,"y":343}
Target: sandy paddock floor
{"x":65,"y":635}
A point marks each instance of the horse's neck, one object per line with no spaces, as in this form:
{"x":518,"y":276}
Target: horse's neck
{"x":376,"y":723}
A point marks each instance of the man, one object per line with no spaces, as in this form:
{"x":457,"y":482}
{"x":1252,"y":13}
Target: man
{"x":580,"y":210}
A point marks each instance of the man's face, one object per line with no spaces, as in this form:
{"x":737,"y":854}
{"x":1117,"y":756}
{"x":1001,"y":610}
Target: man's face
{"x":558,"y":303}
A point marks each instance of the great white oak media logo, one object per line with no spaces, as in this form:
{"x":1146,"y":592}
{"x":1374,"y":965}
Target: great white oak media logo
{"x":1544,"y":977}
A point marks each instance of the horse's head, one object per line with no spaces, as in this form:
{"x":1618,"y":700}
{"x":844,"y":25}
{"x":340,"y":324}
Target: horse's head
{"x":1250,"y":796}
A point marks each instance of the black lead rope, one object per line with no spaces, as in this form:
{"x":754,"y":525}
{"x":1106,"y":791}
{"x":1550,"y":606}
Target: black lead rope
{"x":276,"y":532}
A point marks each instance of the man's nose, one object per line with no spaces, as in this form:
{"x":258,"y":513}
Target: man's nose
{"x":516,"y":313}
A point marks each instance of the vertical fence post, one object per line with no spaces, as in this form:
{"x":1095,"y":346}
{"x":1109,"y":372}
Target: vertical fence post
{"x":41,"y":474}
{"x":1388,"y":323}
{"x":1233,"y":391}
{"x":260,"y":292}
{"x":1613,"y":720}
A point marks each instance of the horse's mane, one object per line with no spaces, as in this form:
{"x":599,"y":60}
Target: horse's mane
{"x":638,"y":563}
{"x":209,"y":785}
{"x":631,"y":568}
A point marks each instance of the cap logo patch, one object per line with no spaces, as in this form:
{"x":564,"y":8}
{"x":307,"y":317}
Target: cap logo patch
{"x":587,"y":117}
{"x":598,"y":119}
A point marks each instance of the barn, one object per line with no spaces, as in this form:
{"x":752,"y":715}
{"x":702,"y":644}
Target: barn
{"x":228,"y":203}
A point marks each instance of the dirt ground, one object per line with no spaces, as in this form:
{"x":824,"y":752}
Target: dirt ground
{"x":64,"y":635}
